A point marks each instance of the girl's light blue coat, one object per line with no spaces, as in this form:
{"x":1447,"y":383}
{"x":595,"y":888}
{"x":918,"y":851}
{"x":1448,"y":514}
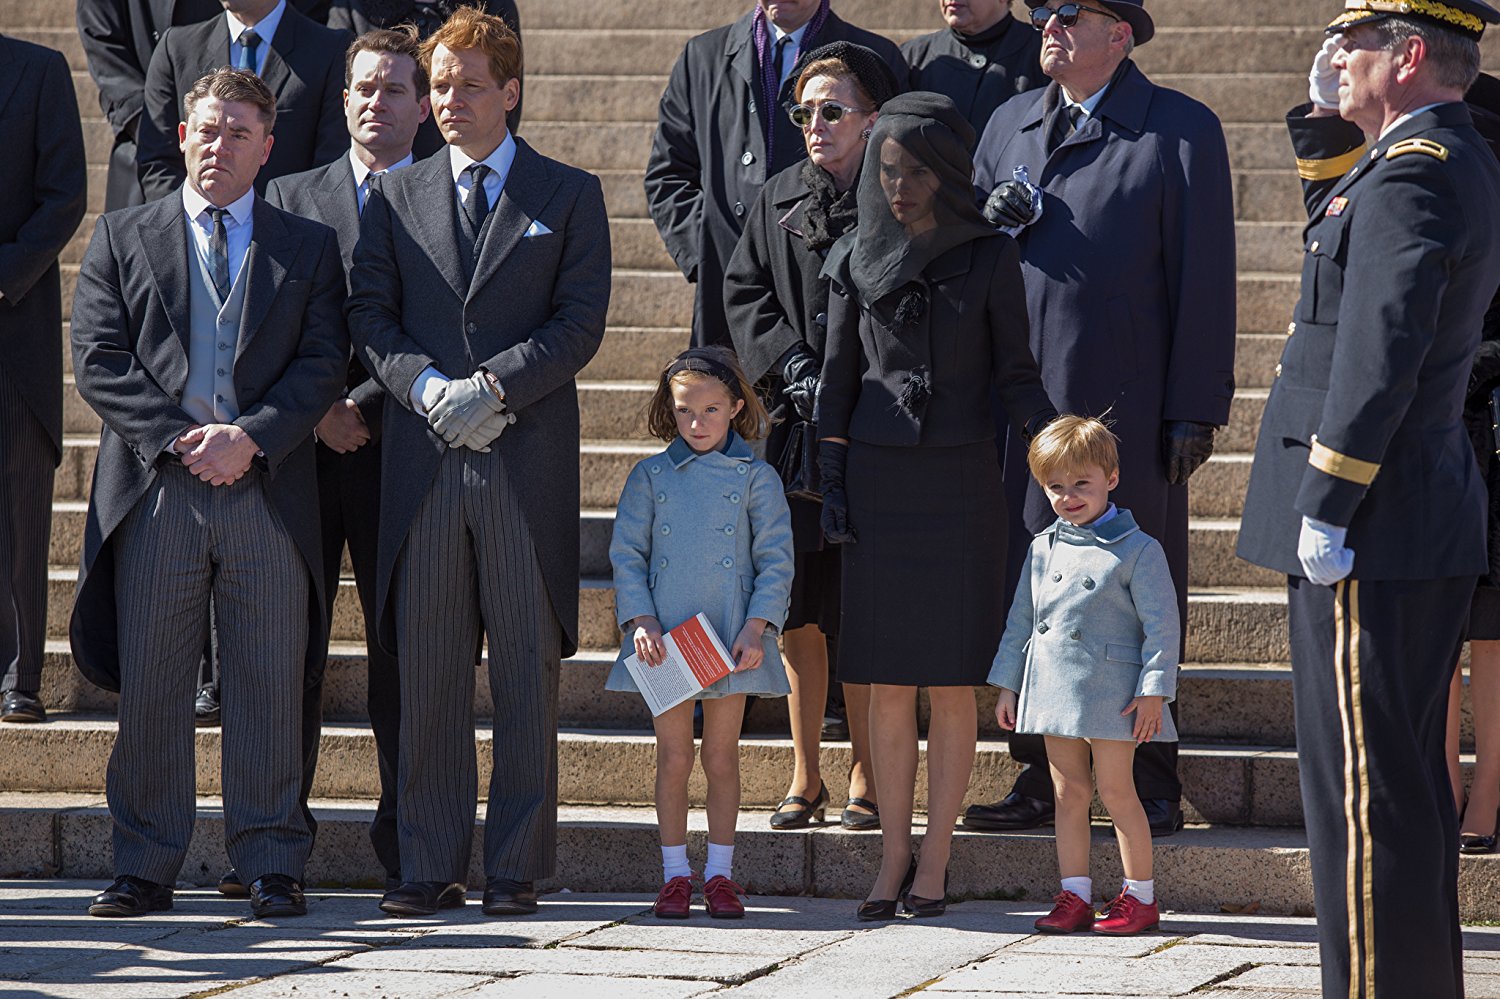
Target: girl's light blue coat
{"x":705,"y":533}
{"x":1094,"y":624}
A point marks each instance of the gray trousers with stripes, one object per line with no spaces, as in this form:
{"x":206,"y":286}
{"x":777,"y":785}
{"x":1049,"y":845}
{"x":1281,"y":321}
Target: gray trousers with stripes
{"x":182,"y":543}
{"x":26,"y":470}
{"x":469,"y":568}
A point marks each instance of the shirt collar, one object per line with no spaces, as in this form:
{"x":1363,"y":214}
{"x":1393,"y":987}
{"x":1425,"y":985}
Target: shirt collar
{"x":1107,"y":529}
{"x":1089,"y":104}
{"x":499,"y":161}
{"x":265,"y":28}
{"x":195,"y":204}
{"x":1408,"y":117}
{"x":679,"y":453}
{"x":361,"y":172}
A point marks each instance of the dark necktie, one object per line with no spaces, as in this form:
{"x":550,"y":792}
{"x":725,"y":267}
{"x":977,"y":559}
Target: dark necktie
{"x":367,"y":186}
{"x":477,"y":204}
{"x":778,"y":58}
{"x":1064,"y":125}
{"x":218,"y":252}
{"x":249,"y":48}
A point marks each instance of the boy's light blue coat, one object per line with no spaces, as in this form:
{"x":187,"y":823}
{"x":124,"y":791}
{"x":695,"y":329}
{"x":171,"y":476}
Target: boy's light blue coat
{"x":705,"y":533}
{"x":1094,"y":624}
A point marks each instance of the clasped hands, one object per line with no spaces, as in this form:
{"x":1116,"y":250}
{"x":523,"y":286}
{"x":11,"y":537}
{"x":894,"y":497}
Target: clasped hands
{"x":747,"y":651}
{"x":470,"y":413}
{"x":218,"y":453}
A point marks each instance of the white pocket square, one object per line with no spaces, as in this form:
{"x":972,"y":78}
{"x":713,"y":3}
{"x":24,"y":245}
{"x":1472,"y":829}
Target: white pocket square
{"x":536,"y":229}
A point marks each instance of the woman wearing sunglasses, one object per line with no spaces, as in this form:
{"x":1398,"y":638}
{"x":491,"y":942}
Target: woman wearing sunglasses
{"x":777,"y":303}
{"x":928,"y":312}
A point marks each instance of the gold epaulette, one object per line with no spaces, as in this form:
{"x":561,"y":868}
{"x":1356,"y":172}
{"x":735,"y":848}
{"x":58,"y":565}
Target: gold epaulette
{"x":1331,"y":168}
{"x":1434,"y":149}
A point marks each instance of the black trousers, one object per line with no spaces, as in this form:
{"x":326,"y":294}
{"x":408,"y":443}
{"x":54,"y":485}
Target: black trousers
{"x":122,"y":185}
{"x":1371,"y":662}
{"x":27,"y":465}
{"x":349,"y":495}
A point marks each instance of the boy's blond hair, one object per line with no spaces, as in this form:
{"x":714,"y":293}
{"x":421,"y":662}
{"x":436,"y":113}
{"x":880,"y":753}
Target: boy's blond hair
{"x":1072,"y":443}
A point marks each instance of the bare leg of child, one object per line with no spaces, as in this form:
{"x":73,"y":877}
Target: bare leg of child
{"x":722,"y":717}
{"x":1073,"y":791}
{"x":674,"y":765}
{"x":893,"y":751}
{"x":1113,"y":759}
{"x":950,"y":761}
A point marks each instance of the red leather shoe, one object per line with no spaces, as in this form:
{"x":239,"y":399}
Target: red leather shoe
{"x":675,"y":899}
{"x":721,"y":898}
{"x":1127,"y":915}
{"x":1069,"y":913}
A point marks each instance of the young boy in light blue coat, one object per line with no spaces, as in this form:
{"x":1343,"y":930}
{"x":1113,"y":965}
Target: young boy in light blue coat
{"x":1088,"y":659}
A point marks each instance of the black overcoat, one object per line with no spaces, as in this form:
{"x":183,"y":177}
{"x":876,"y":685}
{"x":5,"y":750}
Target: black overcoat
{"x":978,"y":75}
{"x":130,"y":356}
{"x":43,"y":174}
{"x":304,"y":69}
{"x":1130,"y":282}
{"x":708,"y":159}
{"x":532,"y":315}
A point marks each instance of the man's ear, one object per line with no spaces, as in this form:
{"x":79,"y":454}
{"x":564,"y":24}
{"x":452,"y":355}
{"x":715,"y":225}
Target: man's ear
{"x":512,"y":93}
{"x":1120,"y":34}
{"x":1413,"y":56}
{"x":182,"y":137}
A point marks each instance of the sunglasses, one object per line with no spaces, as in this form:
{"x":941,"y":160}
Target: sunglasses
{"x":1066,"y":14}
{"x":831,"y":111}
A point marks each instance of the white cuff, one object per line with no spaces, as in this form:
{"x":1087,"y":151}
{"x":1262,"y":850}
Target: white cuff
{"x":427,"y":389}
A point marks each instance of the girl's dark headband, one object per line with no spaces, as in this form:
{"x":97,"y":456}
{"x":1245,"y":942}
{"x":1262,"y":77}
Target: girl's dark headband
{"x":703,"y":365}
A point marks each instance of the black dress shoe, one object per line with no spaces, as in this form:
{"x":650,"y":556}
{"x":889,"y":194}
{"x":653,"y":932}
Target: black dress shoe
{"x":504,"y":897}
{"x":274,"y":895}
{"x":130,"y":896}
{"x":232,"y":885}
{"x":422,"y":898}
{"x":20,"y":706}
{"x":1014,"y":811}
{"x":1164,"y":814}
{"x":206,"y":706}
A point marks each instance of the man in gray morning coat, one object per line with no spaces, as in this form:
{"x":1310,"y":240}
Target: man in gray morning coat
{"x":1130,"y":285}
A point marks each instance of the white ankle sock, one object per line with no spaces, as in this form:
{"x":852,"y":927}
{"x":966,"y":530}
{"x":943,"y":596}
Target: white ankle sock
{"x":1144,"y":891}
{"x":1082,"y":887}
{"x":720,"y":859}
{"x":674,"y":863}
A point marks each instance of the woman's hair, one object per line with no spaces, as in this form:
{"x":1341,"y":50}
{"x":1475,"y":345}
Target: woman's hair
{"x":836,"y":69}
{"x":719,"y":364}
{"x":1072,"y":443}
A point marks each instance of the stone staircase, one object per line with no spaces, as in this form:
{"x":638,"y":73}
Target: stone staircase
{"x":595,"y":74}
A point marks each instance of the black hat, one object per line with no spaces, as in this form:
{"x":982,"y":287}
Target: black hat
{"x":872,"y":72}
{"x":1467,"y":17}
{"x":1132,"y":12}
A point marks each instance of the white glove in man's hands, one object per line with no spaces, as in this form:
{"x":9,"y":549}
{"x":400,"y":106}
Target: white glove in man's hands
{"x":1323,"y":79}
{"x":1320,"y":548}
{"x":486,"y":432}
{"x":463,"y":407}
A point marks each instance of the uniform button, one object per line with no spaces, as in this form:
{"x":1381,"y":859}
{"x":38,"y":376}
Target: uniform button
{"x":729,"y":530}
{"x":655,"y":469}
{"x":739,"y":208}
{"x":1075,"y":634}
{"x":741,"y":469}
{"x":734,"y":497}
{"x":1041,"y":629}
{"x":978,"y":61}
{"x":661,"y":497}
{"x":748,"y":158}
{"x":821,"y":319}
{"x":1278,"y":370}
{"x":1291,"y":328}
{"x":666,"y":529}
{"x":471,"y":328}
{"x":1088,"y":584}
{"x":1057,"y":577}
{"x":1314,"y":247}
{"x":728,"y":563}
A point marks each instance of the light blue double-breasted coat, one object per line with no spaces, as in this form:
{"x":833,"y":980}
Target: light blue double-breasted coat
{"x":711,"y":534}
{"x":1094,"y":624}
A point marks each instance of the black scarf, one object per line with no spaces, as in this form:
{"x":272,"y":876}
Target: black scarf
{"x":826,"y":214}
{"x":989,"y":36}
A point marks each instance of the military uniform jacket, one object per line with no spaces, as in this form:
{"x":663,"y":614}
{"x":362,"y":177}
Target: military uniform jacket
{"x":1364,"y":426}
{"x":979,"y":72}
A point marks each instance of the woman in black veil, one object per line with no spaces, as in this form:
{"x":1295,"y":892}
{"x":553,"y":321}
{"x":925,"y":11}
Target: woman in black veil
{"x":929,"y":311}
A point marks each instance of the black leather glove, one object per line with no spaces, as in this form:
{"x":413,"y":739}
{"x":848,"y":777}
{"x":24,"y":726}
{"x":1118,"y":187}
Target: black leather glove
{"x":1185,"y":445}
{"x":832,"y":457}
{"x":1037,"y":424}
{"x":1010,"y":204}
{"x":802,"y":373}
{"x":1485,"y":371}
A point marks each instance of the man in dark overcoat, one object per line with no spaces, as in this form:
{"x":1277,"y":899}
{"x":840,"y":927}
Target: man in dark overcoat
{"x":1365,"y":492}
{"x":981,"y":58}
{"x":300,"y":60}
{"x":722,"y":131}
{"x":1130,"y":284}
{"x":385,"y":101}
{"x":208,"y":336}
{"x":43,"y":175}
{"x":477,"y":322}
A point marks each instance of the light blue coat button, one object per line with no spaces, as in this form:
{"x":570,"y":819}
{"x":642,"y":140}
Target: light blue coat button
{"x":655,"y":469}
{"x":666,"y":529}
{"x":742,"y":469}
{"x":1041,"y":629}
{"x":729,"y":529}
{"x":662,"y":564}
{"x":728,"y":563}
{"x":734,"y":497}
{"x":661,"y":497}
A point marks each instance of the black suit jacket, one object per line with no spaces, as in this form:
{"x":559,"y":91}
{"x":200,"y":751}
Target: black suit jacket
{"x":118,"y":39}
{"x":304,"y":69}
{"x":327,"y":194}
{"x":130,"y":357}
{"x":43,"y":176}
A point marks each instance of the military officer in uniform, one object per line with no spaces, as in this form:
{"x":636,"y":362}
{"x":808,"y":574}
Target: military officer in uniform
{"x":1364,"y":489}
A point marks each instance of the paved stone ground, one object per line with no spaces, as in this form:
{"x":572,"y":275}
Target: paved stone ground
{"x":584,"y":945}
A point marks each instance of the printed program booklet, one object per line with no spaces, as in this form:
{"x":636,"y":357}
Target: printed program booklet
{"x":696,"y":658}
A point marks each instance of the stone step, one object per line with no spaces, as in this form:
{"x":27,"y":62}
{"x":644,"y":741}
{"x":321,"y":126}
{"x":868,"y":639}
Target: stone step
{"x":1201,"y":869}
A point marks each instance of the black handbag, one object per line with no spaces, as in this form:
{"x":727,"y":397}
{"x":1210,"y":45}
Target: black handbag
{"x":798,"y":464}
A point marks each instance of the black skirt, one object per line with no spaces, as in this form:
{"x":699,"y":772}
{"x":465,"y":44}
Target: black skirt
{"x":923,"y":593}
{"x":815,"y":589}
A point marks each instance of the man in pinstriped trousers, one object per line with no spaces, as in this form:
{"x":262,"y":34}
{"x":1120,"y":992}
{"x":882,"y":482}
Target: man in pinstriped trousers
{"x":208,"y":335}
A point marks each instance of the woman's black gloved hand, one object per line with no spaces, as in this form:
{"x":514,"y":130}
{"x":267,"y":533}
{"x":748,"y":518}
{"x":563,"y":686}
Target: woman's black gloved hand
{"x":802,"y":373}
{"x":1485,"y":371}
{"x":832,"y":457}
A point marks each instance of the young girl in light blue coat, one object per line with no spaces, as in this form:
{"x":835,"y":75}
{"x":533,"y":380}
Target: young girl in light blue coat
{"x":1088,"y":659}
{"x":703,"y":527}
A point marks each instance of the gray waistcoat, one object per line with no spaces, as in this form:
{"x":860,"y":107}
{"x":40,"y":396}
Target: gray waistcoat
{"x":209,"y":395}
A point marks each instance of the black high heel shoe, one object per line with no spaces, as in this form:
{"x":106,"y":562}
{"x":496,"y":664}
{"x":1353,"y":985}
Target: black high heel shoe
{"x":881,"y":909}
{"x":1473,"y":843}
{"x":926,"y":908}
{"x":804,"y":816}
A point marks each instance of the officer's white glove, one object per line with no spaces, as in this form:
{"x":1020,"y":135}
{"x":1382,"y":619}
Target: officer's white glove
{"x":1321,"y":550}
{"x":1323,"y":79}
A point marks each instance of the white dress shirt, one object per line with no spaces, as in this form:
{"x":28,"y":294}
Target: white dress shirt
{"x":362,"y":175}
{"x":239,"y":225}
{"x":789,"y":51}
{"x":265,"y":28}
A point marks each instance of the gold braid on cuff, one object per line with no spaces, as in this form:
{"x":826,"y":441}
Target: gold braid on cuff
{"x":1341,"y":466}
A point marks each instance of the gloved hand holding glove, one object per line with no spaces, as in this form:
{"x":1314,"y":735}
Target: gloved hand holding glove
{"x":1320,"y":549}
{"x":1185,"y":445}
{"x":832,"y":458}
{"x":1014,"y":204}
{"x":1323,"y":79}
{"x":802,"y":373}
{"x":470,"y":413}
